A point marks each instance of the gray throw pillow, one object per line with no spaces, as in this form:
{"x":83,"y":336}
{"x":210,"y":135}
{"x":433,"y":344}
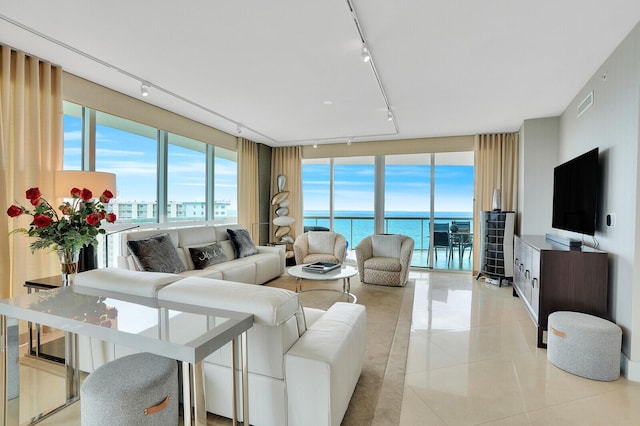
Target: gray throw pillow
{"x":241,"y":242}
{"x":156,"y":254}
{"x":207,"y":256}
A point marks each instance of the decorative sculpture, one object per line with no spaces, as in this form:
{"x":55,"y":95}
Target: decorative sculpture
{"x":282,"y":220}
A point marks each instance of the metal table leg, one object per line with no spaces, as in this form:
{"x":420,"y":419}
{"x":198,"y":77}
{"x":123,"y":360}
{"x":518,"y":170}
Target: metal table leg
{"x":244,"y":353}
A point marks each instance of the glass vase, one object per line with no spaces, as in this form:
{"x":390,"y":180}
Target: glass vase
{"x":68,"y":264}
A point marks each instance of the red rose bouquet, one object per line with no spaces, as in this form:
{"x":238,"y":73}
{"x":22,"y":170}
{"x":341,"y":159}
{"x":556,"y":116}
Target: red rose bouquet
{"x":77,"y":224}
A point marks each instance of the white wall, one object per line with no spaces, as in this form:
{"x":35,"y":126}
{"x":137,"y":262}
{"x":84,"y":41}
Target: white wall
{"x":612,"y":124}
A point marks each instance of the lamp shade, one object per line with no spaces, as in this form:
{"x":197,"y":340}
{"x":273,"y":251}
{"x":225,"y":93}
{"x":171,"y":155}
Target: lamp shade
{"x":97,"y":182}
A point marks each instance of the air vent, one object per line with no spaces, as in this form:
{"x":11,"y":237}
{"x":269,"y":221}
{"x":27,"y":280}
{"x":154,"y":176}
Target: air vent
{"x":585,"y":104}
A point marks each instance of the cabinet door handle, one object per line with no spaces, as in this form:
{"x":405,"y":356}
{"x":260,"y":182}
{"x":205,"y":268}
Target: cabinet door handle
{"x":527,"y":274}
{"x":533,"y":283}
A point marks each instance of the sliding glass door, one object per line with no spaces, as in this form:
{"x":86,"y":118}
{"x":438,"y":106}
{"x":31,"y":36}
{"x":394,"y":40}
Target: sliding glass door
{"x":453,"y":211}
{"x":426,"y":196}
{"x":407,"y":200}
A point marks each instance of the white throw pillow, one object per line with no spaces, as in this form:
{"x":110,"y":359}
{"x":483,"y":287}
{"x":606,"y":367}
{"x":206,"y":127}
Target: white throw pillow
{"x":386,"y":245}
{"x":321,"y":241}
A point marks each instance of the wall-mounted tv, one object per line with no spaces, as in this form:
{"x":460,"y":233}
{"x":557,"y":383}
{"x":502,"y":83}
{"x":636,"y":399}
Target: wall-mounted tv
{"x":575,"y":194}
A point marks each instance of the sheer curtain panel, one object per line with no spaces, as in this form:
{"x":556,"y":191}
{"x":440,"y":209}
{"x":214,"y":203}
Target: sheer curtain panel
{"x":31,"y":150}
{"x":496,"y":168}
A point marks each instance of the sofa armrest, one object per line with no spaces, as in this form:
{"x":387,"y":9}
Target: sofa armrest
{"x":276,"y":249}
{"x":322,"y":368}
{"x":136,"y":283}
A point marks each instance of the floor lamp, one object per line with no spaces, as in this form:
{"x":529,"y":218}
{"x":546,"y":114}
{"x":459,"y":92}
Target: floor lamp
{"x":97,"y":182}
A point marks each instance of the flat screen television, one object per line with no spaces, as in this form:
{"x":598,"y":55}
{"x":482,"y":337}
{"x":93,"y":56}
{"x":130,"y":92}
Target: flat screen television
{"x":575,"y":194}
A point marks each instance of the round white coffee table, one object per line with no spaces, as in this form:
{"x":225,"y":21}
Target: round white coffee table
{"x":345,"y":273}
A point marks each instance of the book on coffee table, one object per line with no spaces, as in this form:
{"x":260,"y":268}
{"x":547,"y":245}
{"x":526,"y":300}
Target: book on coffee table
{"x":320,"y":267}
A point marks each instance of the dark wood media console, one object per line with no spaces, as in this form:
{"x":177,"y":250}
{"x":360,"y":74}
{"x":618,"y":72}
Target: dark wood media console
{"x":550,"y":277}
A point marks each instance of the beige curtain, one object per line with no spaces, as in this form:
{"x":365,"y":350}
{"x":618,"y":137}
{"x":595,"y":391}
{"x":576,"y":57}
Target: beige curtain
{"x":287,"y":161}
{"x":248,"y":196}
{"x":496,"y":167}
{"x":31,"y":150}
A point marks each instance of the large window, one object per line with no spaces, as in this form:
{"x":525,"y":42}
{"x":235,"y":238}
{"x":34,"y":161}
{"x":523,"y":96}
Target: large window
{"x":225,"y":190}
{"x":407,"y":200}
{"x":130,"y":150}
{"x":186,"y":179}
{"x":354,"y":182}
{"x":161,"y":177}
{"x":417,"y":191}
{"x":316,"y":192}
{"x":72,"y":159}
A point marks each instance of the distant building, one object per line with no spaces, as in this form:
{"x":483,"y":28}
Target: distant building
{"x":142,"y":211}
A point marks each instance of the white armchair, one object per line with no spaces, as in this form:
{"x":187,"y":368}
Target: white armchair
{"x":385,"y":259}
{"x":319,"y":246}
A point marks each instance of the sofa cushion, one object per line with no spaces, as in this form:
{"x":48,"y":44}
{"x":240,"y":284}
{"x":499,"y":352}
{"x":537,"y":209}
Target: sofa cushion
{"x":242,"y":244}
{"x":207,"y":255}
{"x":137,"y":283}
{"x":156,"y":254}
{"x":321,"y":242}
{"x":196,"y":236}
{"x":269,"y":305}
{"x":389,"y":264}
{"x":386,"y":245}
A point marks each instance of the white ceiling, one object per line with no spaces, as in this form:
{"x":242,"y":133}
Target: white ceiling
{"x":448,"y":67}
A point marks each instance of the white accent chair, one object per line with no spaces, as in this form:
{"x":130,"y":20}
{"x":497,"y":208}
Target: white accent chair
{"x":385,"y":259}
{"x":319,"y":246}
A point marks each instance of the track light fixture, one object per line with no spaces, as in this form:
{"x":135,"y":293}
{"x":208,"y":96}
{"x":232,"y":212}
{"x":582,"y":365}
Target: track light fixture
{"x":389,"y":115}
{"x":315,"y":144}
{"x":239,"y":129}
{"x":366,"y":55}
{"x":144,"y":90}
{"x":349,"y":141}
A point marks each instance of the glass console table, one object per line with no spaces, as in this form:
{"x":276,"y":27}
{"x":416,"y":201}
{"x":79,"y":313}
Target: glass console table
{"x":142,"y":324}
{"x":53,"y":350}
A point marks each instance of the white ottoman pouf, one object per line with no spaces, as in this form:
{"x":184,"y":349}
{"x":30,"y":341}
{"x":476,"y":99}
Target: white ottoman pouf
{"x":138,"y":389}
{"x":584,"y":345}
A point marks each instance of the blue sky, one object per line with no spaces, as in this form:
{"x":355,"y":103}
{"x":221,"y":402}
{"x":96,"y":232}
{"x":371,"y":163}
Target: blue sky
{"x":133,"y":158}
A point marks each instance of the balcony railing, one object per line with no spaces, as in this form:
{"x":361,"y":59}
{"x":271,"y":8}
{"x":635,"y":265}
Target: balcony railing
{"x":355,"y":228}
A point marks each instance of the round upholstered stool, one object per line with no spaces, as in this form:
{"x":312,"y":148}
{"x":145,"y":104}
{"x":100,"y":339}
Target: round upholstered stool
{"x":138,"y":389}
{"x":584,"y":345}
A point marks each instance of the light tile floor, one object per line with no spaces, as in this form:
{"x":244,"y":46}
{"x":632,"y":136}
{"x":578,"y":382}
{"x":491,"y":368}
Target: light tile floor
{"x":473,"y":360}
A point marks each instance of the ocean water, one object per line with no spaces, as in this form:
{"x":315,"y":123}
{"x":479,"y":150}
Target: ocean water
{"x":355,"y":225}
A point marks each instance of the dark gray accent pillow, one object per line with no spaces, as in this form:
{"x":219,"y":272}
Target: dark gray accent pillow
{"x":241,"y":242}
{"x":207,"y":256}
{"x":156,"y":254}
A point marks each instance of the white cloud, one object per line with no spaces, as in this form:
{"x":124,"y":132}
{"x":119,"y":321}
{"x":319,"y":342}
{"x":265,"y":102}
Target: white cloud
{"x":73,"y":135}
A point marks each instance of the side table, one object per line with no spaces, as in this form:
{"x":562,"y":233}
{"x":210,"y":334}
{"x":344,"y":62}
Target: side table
{"x":52,"y":350}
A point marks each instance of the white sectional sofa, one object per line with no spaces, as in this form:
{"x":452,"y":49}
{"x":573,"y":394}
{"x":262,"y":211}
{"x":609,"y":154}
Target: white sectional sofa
{"x":267,"y":264}
{"x":304,"y":363}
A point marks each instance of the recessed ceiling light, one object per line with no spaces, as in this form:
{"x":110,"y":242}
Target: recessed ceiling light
{"x":327,"y":102}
